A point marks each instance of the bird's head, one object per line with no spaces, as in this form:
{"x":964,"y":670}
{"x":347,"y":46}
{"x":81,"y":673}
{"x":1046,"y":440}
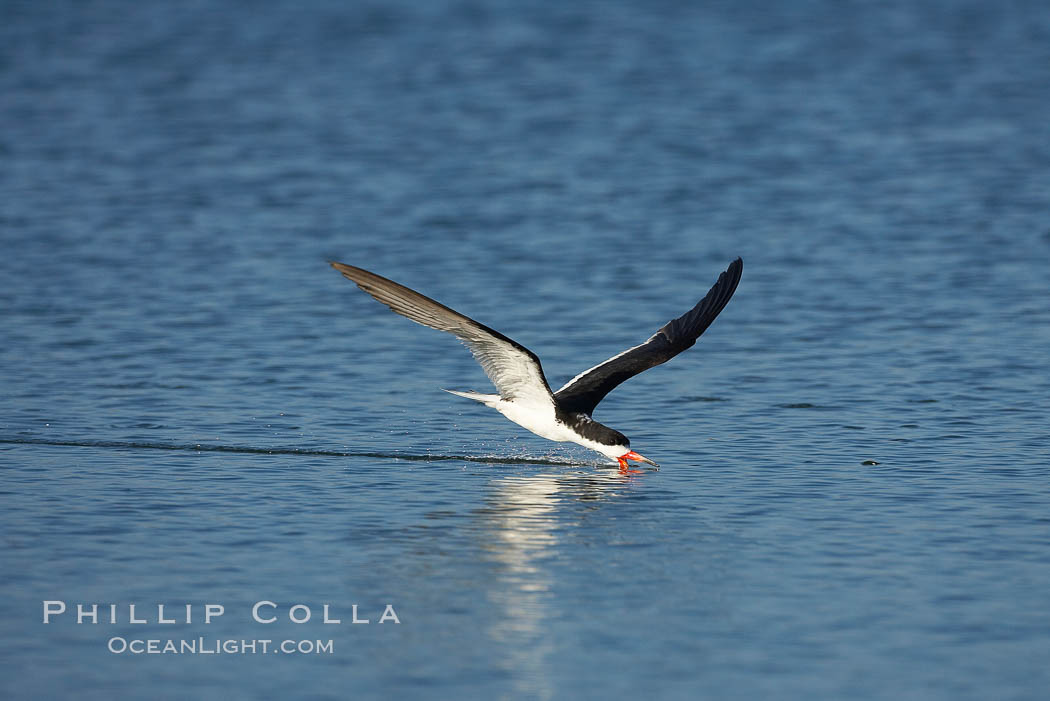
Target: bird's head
{"x":621,"y":451}
{"x":607,"y":441}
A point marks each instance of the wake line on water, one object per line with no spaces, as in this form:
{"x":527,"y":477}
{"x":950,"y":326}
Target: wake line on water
{"x":206,"y":448}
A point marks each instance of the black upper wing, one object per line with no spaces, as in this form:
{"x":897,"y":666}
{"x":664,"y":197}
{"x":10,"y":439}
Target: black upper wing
{"x":583,"y":392}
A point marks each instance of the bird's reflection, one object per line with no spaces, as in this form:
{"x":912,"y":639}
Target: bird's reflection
{"x":523,"y":523}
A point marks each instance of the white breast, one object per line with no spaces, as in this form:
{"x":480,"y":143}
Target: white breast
{"x":541,"y":420}
{"x":538,"y":417}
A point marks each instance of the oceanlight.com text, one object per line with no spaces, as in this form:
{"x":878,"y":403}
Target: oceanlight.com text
{"x":215,"y":646}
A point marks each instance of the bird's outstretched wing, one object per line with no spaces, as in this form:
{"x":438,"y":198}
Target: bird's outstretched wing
{"x":583,"y":392}
{"x":513,"y":368}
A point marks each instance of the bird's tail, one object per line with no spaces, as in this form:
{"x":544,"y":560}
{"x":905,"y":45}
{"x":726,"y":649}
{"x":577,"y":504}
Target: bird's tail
{"x":486,"y":399}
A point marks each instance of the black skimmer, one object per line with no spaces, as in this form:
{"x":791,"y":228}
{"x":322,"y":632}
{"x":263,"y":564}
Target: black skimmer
{"x":524,"y":395}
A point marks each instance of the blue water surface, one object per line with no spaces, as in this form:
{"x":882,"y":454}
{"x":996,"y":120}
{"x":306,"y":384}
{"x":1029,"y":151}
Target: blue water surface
{"x":854,"y":493}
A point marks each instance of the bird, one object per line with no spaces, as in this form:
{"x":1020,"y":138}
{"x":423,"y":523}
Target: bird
{"x":524,"y":395}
